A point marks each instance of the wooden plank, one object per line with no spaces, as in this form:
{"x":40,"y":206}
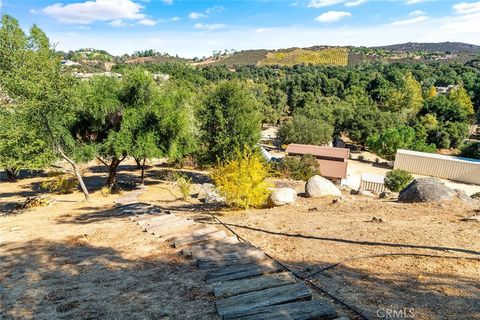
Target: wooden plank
{"x":198,"y":239}
{"x":303,"y":310}
{"x":188,"y":251}
{"x":244,"y":304}
{"x":243,"y":271}
{"x":236,"y":287}
{"x":203,"y":230}
{"x":230,"y":258}
{"x":159,"y":230}
{"x":184,"y":232}
{"x":155,"y":219}
{"x":147,"y":217}
{"x":217,"y":249}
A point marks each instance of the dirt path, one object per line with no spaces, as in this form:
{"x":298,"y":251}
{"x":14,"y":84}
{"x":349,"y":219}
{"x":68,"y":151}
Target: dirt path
{"x":84,"y":261}
{"x":421,"y":273}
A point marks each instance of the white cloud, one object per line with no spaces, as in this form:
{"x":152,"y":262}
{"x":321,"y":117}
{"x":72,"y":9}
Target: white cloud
{"x":467,"y":7}
{"x":1,"y":3}
{"x":147,"y":22}
{"x":354,"y":3}
{"x":406,"y":22}
{"x":175,"y":18}
{"x":415,"y":1}
{"x":168,"y":2}
{"x":197,"y":15}
{"x":209,"y":27}
{"x":332,"y":16}
{"x":215,"y":9}
{"x":416,"y":13}
{"x":118,"y":23}
{"x":95,"y":10}
{"x":323,"y":3}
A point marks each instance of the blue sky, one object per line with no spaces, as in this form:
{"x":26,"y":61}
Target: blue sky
{"x":196,"y":28}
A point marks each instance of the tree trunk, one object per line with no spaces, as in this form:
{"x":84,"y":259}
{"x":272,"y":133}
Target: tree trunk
{"x":11,"y":174}
{"x":142,"y":177}
{"x":112,"y":171}
{"x":77,"y":174}
{"x":139,"y":163}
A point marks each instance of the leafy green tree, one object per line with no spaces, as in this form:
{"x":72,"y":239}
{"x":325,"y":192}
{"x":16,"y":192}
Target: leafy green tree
{"x":471,"y":150}
{"x":390,"y":140}
{"x":229,"y":120}
{"x":20,"y":147}
{"x":461,"y":97}
{"x":30,"y":73}
{"x":312,"y":122}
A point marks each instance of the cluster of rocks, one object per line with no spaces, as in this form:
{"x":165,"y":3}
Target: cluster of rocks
{"x":316,"y":186}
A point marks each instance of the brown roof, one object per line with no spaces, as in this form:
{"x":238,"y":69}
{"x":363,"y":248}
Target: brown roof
{"x":333,"y":169}
{"x":317,"y":151}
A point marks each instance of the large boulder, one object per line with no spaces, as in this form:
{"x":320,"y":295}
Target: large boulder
{"x":282,"y":196}
{"x":317,"y":186}
{"x":210,"y":194}
{"x":426,"y":190}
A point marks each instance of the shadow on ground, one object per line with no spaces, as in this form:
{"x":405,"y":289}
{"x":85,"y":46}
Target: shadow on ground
{"x":75,"y":280}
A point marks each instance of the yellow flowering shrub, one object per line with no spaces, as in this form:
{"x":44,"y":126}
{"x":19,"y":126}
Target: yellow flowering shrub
{"x":242,"y":181}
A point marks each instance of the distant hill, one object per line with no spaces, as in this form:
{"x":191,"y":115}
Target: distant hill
{"x":453,"y":47}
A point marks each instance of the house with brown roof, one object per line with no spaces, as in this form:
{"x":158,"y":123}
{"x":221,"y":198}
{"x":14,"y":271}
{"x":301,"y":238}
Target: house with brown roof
{"x":333,"y":161}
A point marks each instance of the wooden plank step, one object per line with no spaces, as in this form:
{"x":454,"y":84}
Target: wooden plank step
{"x":157,"y":220}
{"x":236,"y":287}
{"x":244,"y":304}
{"x":243,"y":271}
{"x":219,"y":250}
{"x":228,"y":241}
{"x":195,"y":233}
{"x":303,"y":310}
{"x":159,"y":230}
{"x":136,"y":210}
{"x":151,"y":217}
{"x":230,"y":258}
{"x":198,"y":239}
{"x":184,"y":232}
{"x":223,"y":246}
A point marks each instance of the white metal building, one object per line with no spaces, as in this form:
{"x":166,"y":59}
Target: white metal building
{"x":436,"y":165}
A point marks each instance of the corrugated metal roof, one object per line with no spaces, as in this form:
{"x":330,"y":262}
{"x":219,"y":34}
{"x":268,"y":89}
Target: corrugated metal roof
{"x":437,"y":156}
{"x":317,"y":151}
{"x":333,"y":169}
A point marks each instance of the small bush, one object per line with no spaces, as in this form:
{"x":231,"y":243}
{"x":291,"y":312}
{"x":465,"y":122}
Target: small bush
{"x":62,"y":183}
{"x":475,"y":195}
{"x":242,"y":180}
{"x":397,"y":179}
{"x":302,"y":168}
{"x":185,"y":185}
{"x":471,"y":150}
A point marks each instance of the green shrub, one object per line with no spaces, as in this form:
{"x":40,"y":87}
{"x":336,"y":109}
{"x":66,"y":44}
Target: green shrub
{"x":302,"y":168}
{"x":471,"y":150}
{"x":62,"y":183}
{"x":397,"y":179}
{"x":475,"y":195}
{"x":242,"y":180}
{"x":185,"y":185}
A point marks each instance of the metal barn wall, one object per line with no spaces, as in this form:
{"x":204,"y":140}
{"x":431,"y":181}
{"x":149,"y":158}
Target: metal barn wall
{"x":372,"y":186}
{"x":438,"y":166}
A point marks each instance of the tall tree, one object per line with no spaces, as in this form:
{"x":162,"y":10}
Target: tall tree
{"x":229,"y":121}
{"x":30,"y":73}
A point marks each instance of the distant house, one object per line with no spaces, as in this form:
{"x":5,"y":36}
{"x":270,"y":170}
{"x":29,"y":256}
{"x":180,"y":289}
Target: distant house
{"x":333,"y":161}
{"x":446,"y":90}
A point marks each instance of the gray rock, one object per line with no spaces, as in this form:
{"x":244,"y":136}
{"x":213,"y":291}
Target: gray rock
{"x":211,"y":194}
{"x":426,"y":190}
{"x":282,"y":196}
{"x":472,"y":218}
{"x":318,"y":186}
{"x":462,"y":195}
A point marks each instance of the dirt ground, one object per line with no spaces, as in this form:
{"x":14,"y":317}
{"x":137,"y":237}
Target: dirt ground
{"x":83,"y":260}
{"x":421,"y":258}
{"x":77,"y":260}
